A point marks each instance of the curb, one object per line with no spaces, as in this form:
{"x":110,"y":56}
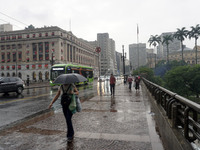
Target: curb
{"x":26,"y":120}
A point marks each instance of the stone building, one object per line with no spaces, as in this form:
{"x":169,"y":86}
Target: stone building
{"x":32,"y":52}
{"x":189,"y":55}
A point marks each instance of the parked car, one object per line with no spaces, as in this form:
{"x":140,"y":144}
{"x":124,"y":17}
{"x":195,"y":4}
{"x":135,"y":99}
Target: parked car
{"x":11,"y":84}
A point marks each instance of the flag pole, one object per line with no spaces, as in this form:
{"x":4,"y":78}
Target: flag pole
{"x":138,"y":47}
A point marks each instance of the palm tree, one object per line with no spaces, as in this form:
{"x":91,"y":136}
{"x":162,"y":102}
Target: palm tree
{"x":154,"y":40}
{"x":195,"y":33}
{"x":181,"y":34}
{"x":166,"y":40}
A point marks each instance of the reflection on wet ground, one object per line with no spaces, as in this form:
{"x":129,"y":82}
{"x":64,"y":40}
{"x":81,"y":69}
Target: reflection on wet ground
{"x":114,"y":122}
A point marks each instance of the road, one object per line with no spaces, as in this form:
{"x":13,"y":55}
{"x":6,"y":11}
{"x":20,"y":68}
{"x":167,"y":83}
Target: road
{"x":15,"y":107}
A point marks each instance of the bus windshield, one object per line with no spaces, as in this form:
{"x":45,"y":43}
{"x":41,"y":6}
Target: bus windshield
{"x":55,"y":72}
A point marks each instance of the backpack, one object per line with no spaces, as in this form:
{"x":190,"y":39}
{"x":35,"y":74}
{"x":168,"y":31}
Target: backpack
{"x":65,"y":98}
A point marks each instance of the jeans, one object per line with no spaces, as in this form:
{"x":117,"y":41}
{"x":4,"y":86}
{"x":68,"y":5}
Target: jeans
{"x":112,"y":89}
{"x":130,"y":84}
{"x":68,"y":117}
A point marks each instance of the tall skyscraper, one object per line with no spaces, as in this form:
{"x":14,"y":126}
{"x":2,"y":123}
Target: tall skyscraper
{"x":137,"y":55}
{"x":174,"y":46}
{"x":108,"y":59}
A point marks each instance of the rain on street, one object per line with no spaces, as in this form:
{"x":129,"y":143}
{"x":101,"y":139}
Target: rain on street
{"x":15,"y":107}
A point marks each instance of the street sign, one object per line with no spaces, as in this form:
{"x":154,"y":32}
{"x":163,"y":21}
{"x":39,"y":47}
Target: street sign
{"x":98,"y":49}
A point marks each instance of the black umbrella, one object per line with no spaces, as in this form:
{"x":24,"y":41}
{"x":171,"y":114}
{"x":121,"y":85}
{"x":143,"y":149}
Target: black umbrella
{"x":69,"y":78}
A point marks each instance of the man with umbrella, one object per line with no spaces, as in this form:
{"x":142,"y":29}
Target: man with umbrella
{"x":67,"y":89}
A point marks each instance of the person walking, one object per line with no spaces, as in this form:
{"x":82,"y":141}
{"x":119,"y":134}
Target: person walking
{"x":130,"y":80}
{"x":137,"y":81}
{"x":66,"y":91}
{"x":112,"y":84}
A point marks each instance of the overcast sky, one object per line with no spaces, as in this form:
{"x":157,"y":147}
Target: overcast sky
{"x":119,"y":18}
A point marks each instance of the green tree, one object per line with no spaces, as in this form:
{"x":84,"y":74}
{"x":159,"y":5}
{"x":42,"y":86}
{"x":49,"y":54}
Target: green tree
{"x":184,"y":80}
{"x":193,"y":81}
{"x":176,"y":80}
{"x":166,"y":40}
{"x":181,"y":34}
{"x":195,"y":33}
{"x":145,"y":72}
{"x":154,"y":40}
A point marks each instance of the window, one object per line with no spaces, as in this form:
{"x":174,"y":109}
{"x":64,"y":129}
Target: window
{"x":2,"y":47}
{"x":19,"y":46}
{"x":8,"y":56}
{"x":19,"y":36}
{"x":14,"y":56}
{"x":8,"y":38}
{"x":13,"y":46}
{"x":2,"y":38}
{"x":19,"y":56}
{"x":19,"y":67}
{"x":8,"y":46}
{"x":13,"y":37}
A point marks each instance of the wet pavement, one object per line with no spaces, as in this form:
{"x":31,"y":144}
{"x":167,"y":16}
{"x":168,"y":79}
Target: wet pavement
{"x":120,"y":122}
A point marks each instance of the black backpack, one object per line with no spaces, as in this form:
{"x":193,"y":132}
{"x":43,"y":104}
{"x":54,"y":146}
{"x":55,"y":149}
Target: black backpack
{"x":65,"y":98}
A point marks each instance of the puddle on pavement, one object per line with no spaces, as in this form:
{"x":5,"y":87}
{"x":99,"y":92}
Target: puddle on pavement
{"x":39,"y":131}
{"x":113,"y":110}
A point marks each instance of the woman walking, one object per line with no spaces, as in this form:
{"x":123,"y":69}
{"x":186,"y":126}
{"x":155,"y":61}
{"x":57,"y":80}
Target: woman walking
{"x":66,"y":90}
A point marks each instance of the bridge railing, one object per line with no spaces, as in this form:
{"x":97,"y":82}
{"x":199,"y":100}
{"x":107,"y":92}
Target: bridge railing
{"x":183,"y":113}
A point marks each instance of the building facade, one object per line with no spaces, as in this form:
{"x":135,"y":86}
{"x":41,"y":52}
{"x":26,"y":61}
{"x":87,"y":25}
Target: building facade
{"x":107,"y":55}
{"x":32,"y":52}
{"x":119,"y":63}
{"x":151,"y":58}
{"x":137,"y":55}
{"x":174,"y":46}
{"x":189,"y":56}
{"x":6,"y":27}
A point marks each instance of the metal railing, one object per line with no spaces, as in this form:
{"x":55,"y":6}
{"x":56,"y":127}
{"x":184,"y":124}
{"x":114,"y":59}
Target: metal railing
{"x":183,"y":114}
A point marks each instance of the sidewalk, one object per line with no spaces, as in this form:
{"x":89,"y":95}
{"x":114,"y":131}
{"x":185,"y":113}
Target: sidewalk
{"x":122,"y":122}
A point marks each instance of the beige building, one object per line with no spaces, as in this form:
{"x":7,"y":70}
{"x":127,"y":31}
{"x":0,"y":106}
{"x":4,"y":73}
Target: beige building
{"x":151,"y":58}
{"x":30,"y":52}
{"x":6,"y":27}
{"x":189,"y":56}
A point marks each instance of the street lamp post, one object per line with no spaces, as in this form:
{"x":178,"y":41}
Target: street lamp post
{"x":123,"y":57}
{"x":16,"y":61}
{"x":52,"y":61}
{"x":98,"y":50}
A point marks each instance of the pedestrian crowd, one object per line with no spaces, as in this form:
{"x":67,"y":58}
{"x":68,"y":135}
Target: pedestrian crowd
{"x":136,"y":80}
